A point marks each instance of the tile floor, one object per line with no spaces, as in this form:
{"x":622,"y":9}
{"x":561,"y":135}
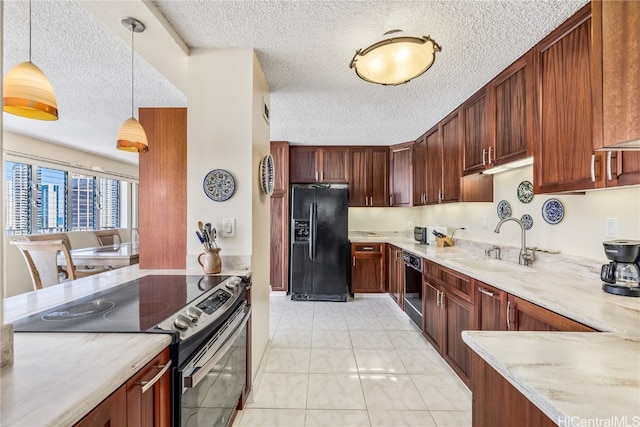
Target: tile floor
{"x":359,"y":363}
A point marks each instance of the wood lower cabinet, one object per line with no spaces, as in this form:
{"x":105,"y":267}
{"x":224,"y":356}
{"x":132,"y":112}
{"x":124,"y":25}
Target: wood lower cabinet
{"x":401,"y":174}
{"x":369,"y":179}
{"x":526,"y":316}
{"x":458,"y":318}
{"x":111,"y":412}
{"x":490,"y":307}
{"x":130,"y":406}
{"x":395,"y":267}
{"x":308,"y":164}
{"x":368,"y":268}
{"x":432,"y":315}
{"x":496,"y":402}
{"x":279,"y":209}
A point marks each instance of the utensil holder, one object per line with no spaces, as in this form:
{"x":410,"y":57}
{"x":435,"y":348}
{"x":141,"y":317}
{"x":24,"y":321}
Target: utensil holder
{"x":211,"y":264}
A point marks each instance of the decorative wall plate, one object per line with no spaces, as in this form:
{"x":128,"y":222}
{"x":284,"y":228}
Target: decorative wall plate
{"x":553,"y":211}
{"x":219,"y":185}
{"x":504,"y":209}
{"x":267,"y":174}
{"x":525,"y":191}
{"x":527,"y":221}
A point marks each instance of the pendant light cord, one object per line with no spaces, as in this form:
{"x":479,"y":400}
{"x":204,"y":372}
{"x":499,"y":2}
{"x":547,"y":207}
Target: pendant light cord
{"x":29,"y":30}
{"x":132,"y":81}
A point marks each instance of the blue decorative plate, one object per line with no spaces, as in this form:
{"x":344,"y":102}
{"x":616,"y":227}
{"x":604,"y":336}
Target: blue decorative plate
{"x":219,"y":185}
{"x":504,"y":209}
{"x":527,"y":221}
{"x":267,"y":174}
{"x":525,"y":191}
{"x":553,"y":211}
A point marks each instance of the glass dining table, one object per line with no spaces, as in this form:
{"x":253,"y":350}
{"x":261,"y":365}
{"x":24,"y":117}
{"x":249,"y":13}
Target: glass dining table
{"x":116,"y":255}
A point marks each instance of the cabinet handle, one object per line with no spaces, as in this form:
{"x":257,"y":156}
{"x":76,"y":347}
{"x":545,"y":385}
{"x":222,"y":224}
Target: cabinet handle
{"x":354,"y":261}
{"x":593,"y":168}
{"x":371,"y":201}
{"x":486,"y":292}
{"x":508,"y":315}
{"x":146,"y":385}
{"x":316,"y":175}
{"x":484,"y":157}
{"x":367,"y":248}
{"x":440,"y":195}
{"x":321,"y":175}
{"x":390,"y":200}
{"x":490,"y":148}
{"x":609,"y":154}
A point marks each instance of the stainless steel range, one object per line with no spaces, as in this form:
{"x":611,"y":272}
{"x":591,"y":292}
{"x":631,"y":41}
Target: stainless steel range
{"x":208,"y":318}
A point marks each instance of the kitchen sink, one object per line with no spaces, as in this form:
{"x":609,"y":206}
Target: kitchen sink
{"x":493,"y":265}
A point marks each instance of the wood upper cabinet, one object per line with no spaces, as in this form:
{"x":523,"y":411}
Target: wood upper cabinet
{"x":368,"y":268}
{"x":369,"y":180}
{"x":279,"y":208}
{"x":490,"y":307}
{"x":395,"y":267}
{"x":523,"y":315}
{"x":401,"y":174}
{"x":420,"y":171}
{"x":149,"y":394}
{"x":451,"y":134}
{"x":564,"y":158}
{"x":616,"y":82}
{"x":511,"y":112}
{"x":318,"y":164}
{"x":434,"y":165}
{"x":478,"y":149}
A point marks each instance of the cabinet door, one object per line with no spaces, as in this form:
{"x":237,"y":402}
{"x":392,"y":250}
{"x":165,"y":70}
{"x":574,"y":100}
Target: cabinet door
{"x":434,"y":166}
{"x":526,"y":316}
{"x":420,"y":172}
{"x":401,"y":181}
{"x":395,"y":266}
{"x":459,"y":317}
{"x":111,"y":412}
{"x":478,"y":150}
{"x":367,"y":268}
{"x":360,"y":179}
{"x":303,"y":164}
{"x":565,"y":138}
{"x":279,"y":208}
{"x":513,"y":111}
{"x":335,"y":165}
{"x":151,"y":407}
{"x":379,"y":177}
{"x":451,"y":157}
{"x":432,"y":315}
{"x":490,"y":307}
{"x":280,"y":153}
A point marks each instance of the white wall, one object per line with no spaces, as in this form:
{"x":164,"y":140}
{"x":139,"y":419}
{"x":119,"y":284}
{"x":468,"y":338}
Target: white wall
{"x":225,"y":130}
{"x":384,"y":219}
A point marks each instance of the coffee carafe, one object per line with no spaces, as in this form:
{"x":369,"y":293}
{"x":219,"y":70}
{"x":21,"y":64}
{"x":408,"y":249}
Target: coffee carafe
{"x":622,"y":275}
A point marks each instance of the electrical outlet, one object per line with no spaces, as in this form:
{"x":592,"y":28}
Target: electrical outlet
{"x":611,"y":227}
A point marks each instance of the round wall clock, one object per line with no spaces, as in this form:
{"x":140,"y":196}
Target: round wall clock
{"x":219,"y":185}
{"x":267,"y":174}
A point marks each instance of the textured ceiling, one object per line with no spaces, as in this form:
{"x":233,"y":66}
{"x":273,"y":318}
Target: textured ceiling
{"x":304,"y":48}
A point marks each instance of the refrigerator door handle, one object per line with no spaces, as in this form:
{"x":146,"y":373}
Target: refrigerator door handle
{"x":312,"y":230}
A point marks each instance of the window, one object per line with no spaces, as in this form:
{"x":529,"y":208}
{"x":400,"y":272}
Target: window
{"x":46,"y":200}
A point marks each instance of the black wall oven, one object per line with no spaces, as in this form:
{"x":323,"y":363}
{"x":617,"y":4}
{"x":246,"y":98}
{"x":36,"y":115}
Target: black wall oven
{"x":208,"y":318}
{"x":413,"y":287}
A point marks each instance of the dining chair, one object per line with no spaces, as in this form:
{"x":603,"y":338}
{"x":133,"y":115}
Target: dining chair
{"x":108,"y":237}
{"x":41,"y":254}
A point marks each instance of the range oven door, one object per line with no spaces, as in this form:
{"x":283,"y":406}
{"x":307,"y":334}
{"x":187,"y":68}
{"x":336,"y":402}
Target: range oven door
{"x":413,"y":288}
{"x":210,"y":383}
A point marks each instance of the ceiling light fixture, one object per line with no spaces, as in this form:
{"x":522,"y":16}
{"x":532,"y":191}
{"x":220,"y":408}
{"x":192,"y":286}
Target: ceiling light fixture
{"x":396,"y":60}
{"x":131,"y":136}
{"x":27,"y":91}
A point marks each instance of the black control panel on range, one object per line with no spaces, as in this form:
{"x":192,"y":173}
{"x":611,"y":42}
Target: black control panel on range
{"x":412,"y":260}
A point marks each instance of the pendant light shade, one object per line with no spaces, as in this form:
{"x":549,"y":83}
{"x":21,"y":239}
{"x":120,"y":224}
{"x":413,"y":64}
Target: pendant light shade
{"x":395,"y":60}
{"x":131,"y":136}
{"x":27,"y":91}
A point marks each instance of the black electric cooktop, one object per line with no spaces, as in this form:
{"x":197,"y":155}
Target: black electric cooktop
{"x":135,"y":306}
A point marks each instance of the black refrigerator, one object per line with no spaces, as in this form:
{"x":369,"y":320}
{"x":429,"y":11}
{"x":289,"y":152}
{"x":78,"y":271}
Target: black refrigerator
{"x":319,"y":246}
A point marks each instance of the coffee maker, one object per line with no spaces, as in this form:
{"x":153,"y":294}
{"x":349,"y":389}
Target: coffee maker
{"x":622,"y":275}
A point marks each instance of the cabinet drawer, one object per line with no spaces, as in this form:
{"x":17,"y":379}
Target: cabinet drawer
{"x":452,"y":281}
{"x":367,"y":247}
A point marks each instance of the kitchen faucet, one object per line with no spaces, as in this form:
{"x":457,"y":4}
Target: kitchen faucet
{"x":527,"y":256}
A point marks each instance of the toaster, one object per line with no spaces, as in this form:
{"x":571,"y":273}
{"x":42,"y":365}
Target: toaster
{"x":420,"y":235}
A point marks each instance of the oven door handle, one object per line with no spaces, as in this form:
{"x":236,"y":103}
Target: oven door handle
{"x":193,"y":376}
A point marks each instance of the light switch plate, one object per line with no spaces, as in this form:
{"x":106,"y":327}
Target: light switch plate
{"x":611,"y":227}
{"x":228,"y":227}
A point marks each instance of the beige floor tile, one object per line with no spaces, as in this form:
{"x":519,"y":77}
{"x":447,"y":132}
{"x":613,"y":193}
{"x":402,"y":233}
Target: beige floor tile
{"x":408,"y":339}
{"x":370,"y":339}
{"x":378,"y":361}
{"x":390,"y":418}
{"x":452,"y":418}
{"x":339,"y":418}
{"x":332,"y":361}
{"x":423,"y":361}
{"x":335,"y":391}
{"x":260,"y":417}
{"x":330,"y":339}
{"x":364,"y":323}
{"x":443,"y":392}
{"x":391,"y":392}
{"x":291,"y":338}
{"x":294,"y":360}
{"x":277,"y":390}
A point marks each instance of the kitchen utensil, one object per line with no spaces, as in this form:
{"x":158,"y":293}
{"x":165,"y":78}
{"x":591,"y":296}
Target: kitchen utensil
{"x":622,"y":275}
{"x":200,"y":237}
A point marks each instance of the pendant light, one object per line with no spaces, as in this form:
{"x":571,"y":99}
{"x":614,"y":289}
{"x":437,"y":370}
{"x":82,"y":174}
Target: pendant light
{"x":131,"y":136}
{"x":395,"y":60}
{"x":27,"y":91}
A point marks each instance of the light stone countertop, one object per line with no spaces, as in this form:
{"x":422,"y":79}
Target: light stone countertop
{"x":57,"y":378}
{"x":580,"y":375}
